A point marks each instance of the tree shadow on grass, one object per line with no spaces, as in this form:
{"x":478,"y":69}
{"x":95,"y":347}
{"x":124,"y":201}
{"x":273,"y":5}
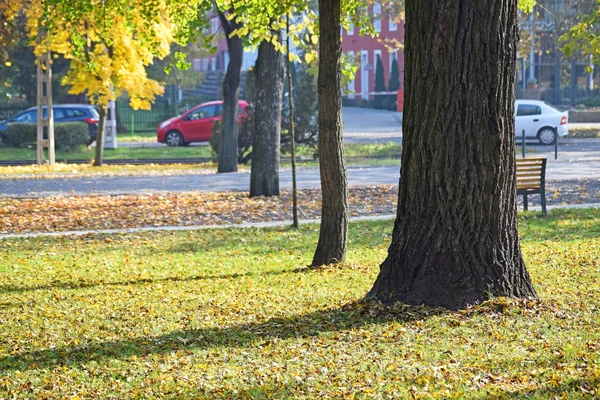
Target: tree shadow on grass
{"x":353,"y":315}
{"x":140,"y":281}
{"x":583,"y":387}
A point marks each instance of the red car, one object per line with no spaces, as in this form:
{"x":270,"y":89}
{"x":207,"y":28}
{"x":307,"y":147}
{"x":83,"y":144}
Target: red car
{"x":194,"y":125}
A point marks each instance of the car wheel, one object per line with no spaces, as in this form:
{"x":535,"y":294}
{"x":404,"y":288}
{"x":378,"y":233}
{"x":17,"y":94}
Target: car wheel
{"x":547,"y":136}
{"x":173,"y":138}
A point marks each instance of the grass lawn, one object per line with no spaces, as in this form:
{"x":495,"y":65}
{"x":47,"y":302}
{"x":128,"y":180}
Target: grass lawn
{"x":385,"y":150}
{"x":234,"y":314}
{"x":137,"y":153}
{"x":137,"y":137}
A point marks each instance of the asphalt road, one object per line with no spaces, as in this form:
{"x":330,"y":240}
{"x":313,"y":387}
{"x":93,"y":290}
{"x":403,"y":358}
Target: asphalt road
{"x":213,"y":182}
{"x":577,"y":159}
{"x":363,"y":125}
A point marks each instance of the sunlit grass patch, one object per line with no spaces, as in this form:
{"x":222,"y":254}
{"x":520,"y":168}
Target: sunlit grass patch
{"x":235,"y":314}
{"x":63,"y":170}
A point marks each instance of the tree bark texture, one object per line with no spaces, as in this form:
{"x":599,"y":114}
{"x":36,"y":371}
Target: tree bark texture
{"x":455,"y":237}
{"x":331,"y":247}
{"x":264,"y":172}
{"x":228,"y":150}
{"x":98,"y":159}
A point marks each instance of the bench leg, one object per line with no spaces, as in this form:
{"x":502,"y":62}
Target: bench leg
{"x":543,"y":195}
{"x":525,"y":202}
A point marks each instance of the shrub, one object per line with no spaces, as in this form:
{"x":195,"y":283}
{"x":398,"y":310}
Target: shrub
{"x":306,"y":110}
{"x":379,"y":101}
{"x":20,"y":135}
{"x":589,"y":101}
{"x":244,"y":138}
{"x":68,"y":136}
{"x":393,"y":86}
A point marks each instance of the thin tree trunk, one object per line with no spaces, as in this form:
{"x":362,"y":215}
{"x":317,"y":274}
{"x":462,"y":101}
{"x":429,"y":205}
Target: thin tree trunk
{"x":334,"y":182}
{"x":98,"y":160}
{"x":292,"y":126}
{"x":455,"y":237}
{"x":228,"y":150}
{"x":264,"y":172}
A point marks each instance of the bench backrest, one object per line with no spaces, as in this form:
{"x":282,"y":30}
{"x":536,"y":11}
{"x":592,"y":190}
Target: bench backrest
{"x":531,"y":173}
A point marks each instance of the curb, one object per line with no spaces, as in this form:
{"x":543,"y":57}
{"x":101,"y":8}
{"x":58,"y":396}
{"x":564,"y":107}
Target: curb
{"x":236,"y":226}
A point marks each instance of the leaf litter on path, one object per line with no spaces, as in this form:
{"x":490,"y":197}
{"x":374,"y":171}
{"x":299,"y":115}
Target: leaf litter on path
{"x":71,"y":213}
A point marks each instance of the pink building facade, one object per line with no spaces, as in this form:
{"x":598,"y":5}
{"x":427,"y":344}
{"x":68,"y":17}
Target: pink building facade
{"x":220,"y":59}
{"x":366,"y":50}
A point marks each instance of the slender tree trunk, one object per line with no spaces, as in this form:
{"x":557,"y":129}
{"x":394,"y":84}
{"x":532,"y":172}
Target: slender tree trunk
{"x":455,"y":237}
{"x":264,"y":172}
{"x":334,"y":182}
{"x":292,"y":126}
{"x":228,"y":150}
{"x":100,"y":137}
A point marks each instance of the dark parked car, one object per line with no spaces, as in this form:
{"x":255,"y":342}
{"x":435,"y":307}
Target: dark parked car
{"x":62,"y":113}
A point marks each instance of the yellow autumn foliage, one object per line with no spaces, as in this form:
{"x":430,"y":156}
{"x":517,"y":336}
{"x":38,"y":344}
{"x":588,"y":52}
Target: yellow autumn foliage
{"x":110,"y":48}
{"x":9,"y":10}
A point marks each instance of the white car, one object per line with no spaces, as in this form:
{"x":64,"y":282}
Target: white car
{"x":540,"y":121}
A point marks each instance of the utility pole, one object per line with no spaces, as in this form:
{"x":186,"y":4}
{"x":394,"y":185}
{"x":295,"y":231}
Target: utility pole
{"x":591,"y":75}
{"x":532,"y":50}
{"x":45,"y":124}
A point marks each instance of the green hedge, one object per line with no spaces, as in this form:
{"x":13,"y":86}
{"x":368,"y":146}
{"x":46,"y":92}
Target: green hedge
{"x":68,"y":136}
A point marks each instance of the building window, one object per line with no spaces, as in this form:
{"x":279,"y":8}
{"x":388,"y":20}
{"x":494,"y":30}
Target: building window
{"x":393,"y":24}
{"x":377,"y":17}
{"x":214,"y":25}
{"x":196,"y":64}
{"x":365,"y":68}
{"x":351,"y":29}
{"x":204,"y":64}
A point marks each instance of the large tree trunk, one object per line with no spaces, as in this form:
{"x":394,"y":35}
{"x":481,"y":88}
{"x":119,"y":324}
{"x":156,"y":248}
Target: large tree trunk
{"x":98,"y":159}
{"x":334,"y":182}
{"x":228,"y":150}
{"x":455,"y":237}
{"x":264,"y":173}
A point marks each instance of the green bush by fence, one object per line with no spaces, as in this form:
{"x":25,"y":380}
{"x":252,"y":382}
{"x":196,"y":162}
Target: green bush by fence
{"x":68,"y":136}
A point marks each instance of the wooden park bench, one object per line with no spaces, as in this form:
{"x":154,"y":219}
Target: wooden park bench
{"x":531,"y":179}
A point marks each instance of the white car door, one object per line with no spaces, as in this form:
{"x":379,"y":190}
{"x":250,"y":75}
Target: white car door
{"x":529,"y":118}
